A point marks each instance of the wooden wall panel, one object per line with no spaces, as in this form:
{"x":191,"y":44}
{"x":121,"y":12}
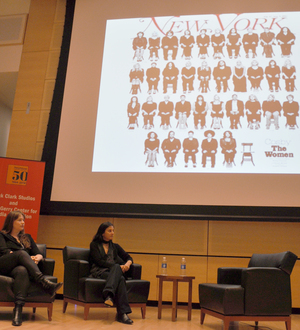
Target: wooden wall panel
{"x":239,"y":238}
{"x":149,"y":240}
{"x":42,"y":127}
{"x":23,"y":134}
{"x":39,"y":28}
{"x":214,"y":263}
{"x":52,"y":64}
{"x":295,"y":282}
{"x":39,"y":146}
{"x":60,"y":11}
{"x":39,"y":62}
{"x":30,"y":85}
{"x":56,"y":37}
{"x":57,"y":232}
{"x":59,"y":265}
{"x":162,"y":236}
{"x":149,"y":264}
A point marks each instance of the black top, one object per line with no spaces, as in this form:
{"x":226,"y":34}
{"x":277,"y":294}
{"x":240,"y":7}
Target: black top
{"x":9,"y":243}
{"x":100,"y":261}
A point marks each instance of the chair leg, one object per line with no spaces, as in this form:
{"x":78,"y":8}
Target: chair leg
{"x":143,"y":310}
{"x":50,"y":310}
{"x":226,"y":323}
{"x":288,"y":324}
{"x":65,"y":304}
{"x":33,"y":310}
{"x":86,"y":311}
{"x":202,"y":317}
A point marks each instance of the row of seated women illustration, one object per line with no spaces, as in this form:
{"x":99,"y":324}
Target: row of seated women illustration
{"x":20,"y":257}
{"x":221,"y":73}
{"x":190,"y":147}
{"x":217,"y":41}
{"x":234,"y":109}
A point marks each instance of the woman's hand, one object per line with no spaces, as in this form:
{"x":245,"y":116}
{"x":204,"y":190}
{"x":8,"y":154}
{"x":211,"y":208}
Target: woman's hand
{"x":37,"y":258}
{"x":126,"y":267}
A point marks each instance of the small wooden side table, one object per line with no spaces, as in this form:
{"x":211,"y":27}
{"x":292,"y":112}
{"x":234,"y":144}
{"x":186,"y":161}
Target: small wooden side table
{"x":175,"y":280}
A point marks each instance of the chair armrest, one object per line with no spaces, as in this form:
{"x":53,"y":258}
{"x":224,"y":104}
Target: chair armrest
{"x":134,"y":272}
{"x":267,"y":291}
{"x":230,"y":275}
{"x":74,"y":271}
{"x":46,"y":266}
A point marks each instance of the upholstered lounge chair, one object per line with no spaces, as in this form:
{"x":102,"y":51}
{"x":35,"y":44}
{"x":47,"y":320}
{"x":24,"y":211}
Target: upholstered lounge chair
{"x":261,"y":292}
{"x":85,"y":291}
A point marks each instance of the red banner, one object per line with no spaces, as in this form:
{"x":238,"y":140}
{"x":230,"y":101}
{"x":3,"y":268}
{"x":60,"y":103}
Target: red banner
{"x":21,"y":183}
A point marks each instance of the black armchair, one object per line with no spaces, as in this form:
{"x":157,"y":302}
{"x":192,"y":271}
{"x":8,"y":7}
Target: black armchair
{"x":86,"y":291}
{"x":37,"y":297}
{"x":261,"y":292}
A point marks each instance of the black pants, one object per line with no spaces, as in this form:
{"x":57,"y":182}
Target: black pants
{"x":21,"y":268}
{"x":115,"y":285}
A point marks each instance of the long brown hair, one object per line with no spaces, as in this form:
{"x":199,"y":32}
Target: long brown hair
{"x":8,"y":227}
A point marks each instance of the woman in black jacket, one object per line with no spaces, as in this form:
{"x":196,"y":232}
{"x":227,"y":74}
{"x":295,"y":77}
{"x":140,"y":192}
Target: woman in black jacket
{"x":19,"y":257}
{"x":109,"y":261}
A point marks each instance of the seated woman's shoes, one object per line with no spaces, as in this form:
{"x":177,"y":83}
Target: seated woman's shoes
{"x":123,"y":318}
{"x":50,"y":287}
{"x":108,"y":301}
{"x":17,"y":315}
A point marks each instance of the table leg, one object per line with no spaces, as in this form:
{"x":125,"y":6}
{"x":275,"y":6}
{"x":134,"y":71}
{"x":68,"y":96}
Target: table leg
{"x":174,"y":301}
{"x":190,"y":300}
{"x":160,"y":287}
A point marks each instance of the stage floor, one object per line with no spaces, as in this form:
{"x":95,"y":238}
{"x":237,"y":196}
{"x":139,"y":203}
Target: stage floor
{"x":104,"y":318}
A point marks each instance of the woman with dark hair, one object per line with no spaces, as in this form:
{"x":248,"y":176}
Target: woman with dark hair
{"x":221,"y":75}
{"x":187,"y":43}
{"x":255,"y":75}
{"x":200,"y":112}
{"x":169,"y":44}
{"x":228,"y":145}
{"x":133,"y":110}
{"x":110,"y":262}
{"x":233,"y":43}
{"x":19,"y":258}
{"x":151,"y":148}
{"x":285,"y":39}
{"x":170,"y":77}
{"x":203,"y":41}
{"x":139,"y":45}
{"x":272,"y":73}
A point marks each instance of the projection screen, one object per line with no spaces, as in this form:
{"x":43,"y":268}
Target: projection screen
{"x":181,"y":103}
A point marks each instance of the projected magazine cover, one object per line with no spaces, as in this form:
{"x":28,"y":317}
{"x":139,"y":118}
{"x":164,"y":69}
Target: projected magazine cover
{"x":200,"y":94}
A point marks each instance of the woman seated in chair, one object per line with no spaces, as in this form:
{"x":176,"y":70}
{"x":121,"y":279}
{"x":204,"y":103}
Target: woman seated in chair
{"x":151,"y":149}
{"x":133,"y":110}
{"x":110,"y":262}
{"x":19,"y":258}
{"x":228,"y":145}
{"x":253,"y":112}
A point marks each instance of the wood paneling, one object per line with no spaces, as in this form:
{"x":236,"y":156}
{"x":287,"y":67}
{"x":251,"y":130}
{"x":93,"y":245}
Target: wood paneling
{"x":40,"y":25}
{"x":239,"y":238}
{"x":23,"y":134}
{"x":39,"y":63}
{"x":52,"y":65}
{"x":57,"y":232}
{"x":230,"y":244}
{"x":214,"y":263}
{"x":162,"y":236}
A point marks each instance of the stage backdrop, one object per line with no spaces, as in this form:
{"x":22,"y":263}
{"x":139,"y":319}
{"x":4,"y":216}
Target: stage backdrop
{"x":21,"y":183}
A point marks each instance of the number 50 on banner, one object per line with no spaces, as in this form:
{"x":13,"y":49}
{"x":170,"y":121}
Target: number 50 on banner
{"x":17,"y":175}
